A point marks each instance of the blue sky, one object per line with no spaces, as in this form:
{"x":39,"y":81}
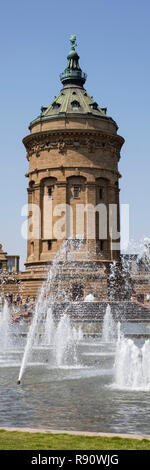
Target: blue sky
{"x":113,"y":40}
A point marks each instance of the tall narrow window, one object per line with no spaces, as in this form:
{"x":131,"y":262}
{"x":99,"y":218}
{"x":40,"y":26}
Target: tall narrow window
{"x":101,"y":245}
{"x":50,"y":193}
{"x":76,"y":192}
{"x":100,"y":193}
{"x":49,"y":244}
{"x":32,"y":248}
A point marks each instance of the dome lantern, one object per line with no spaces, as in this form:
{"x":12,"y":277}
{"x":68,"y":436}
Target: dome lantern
{"x":73,"y":73}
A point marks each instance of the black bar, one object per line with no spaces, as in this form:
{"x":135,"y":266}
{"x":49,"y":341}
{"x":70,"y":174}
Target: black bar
{"x":79,"y":458}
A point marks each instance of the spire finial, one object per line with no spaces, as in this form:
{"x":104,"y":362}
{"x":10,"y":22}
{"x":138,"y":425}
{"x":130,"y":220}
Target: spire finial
{"x":73,"y":73}
{"x":73,"y":41}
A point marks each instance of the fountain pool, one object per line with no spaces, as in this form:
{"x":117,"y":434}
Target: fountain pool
{"x":74,"y":372}
{"x":76,"y":389}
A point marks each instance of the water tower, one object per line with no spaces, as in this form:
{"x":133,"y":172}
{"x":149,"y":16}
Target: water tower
{"x":73,"y":150}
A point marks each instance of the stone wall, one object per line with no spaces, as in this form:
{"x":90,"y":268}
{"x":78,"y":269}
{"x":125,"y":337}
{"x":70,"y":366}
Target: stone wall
{"x":86,"y":279}
{"x":67,"y":154}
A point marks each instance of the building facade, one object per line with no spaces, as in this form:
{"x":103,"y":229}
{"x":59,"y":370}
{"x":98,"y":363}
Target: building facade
{"x":73,"y":151}
{"x":9,"y":263}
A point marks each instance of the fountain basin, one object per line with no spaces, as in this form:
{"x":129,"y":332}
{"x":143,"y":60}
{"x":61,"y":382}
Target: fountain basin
{"x":76,"y":396}
{"x":67,"y":376}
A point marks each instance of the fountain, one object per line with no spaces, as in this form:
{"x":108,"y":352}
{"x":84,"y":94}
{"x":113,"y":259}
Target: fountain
{"x":108,"y":327}
{"x":89,"y":298}
{"x":65,"y":342}
{"x":63,"y":338}
{"x":132,"y":364}
{"x":5,"y":327}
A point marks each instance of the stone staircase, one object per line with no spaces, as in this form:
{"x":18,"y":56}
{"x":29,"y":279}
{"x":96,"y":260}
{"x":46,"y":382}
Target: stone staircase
{"x":95,"y":311}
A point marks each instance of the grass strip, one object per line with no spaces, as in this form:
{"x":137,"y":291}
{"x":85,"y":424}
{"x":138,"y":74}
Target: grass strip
{"x":16,"y":440}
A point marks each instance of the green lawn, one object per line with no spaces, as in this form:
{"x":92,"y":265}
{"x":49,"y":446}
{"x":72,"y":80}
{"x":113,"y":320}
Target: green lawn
{"x":14,"y":440}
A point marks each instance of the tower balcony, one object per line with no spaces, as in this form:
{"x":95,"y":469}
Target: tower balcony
{"x":73,"y":75}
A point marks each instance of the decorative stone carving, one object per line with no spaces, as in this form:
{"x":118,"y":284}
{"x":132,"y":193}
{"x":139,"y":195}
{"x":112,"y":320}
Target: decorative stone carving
{"x":91,"y":146}
{"x":62,"y":140}
{"x":61,"y":147}
{"x":77,"y":172}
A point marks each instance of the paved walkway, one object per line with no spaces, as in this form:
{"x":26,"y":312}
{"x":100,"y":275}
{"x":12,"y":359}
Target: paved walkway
{"x":78,"y":433}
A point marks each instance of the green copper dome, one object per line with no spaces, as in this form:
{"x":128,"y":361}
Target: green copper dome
{"x":73,"y":99}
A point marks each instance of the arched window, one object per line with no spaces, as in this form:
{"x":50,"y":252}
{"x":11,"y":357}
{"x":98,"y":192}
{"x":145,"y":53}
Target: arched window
{"x":75,"y":104}
{"x":56,"y":105}
{"x":94,"y":105}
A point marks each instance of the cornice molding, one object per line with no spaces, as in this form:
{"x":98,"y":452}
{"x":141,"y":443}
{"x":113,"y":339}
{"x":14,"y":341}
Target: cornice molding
{"x":61,"y":139}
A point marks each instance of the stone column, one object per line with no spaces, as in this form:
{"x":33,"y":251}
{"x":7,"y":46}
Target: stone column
{"x":91,"y":219}
{"x":59,"y":215}
{"x":29,"y":215}
{"x":114,"y":223}
{"x":37,"y":222}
